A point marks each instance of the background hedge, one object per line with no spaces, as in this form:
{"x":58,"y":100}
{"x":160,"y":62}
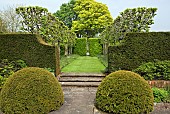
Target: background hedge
{"x":139,"y":48}
{"x":95,"y":46}
{"x":80,"y":47}
{"x":27,"y":47}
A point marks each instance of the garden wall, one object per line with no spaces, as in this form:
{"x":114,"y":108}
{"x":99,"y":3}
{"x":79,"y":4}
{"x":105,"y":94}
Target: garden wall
{"x":28,"y":48}
{"x":95,"y":47}
{"x":139,"y":48}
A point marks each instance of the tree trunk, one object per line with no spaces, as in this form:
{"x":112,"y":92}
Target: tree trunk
{"x":66,"y":50}
{"x":106,"y":51}
{"x":57,"y":56}
{"x":70,"y":50}
{"x":105,"y":48}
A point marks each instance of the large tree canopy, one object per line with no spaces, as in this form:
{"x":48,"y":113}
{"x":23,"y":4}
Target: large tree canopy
{"x":66,"y":13}
{"x":93,"y":17}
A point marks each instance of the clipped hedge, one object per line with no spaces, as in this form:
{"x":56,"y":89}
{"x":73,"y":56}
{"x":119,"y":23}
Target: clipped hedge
{"x":31,"y":90}
{"x":28,"y":47}
{"x":124,"y":92}
{"x":95,"y":47}
{"x":139,"y":48}
{"x":80,"y":47}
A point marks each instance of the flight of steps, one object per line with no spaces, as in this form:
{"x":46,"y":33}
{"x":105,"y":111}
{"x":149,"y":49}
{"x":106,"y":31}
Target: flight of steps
{"x":80,"y":79}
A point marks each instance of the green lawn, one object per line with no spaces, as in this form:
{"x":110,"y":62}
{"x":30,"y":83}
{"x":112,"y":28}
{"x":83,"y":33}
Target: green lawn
{"x":85,"y":64}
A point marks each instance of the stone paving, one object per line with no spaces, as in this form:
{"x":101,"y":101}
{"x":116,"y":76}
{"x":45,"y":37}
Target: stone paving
{"x":78,"y":100}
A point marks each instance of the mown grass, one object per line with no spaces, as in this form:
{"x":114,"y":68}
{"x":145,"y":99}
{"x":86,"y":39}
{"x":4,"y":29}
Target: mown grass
{"x":85,"y":64}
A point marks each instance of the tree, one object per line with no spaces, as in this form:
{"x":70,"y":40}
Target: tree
{"x":66,"y":13}
{"x":11,"y":19}
{"x":93,"y":17}
{"x":32,"y":18}
{"x":39,"y":20}
{"x":106,"y":38}
{"x":131,"y":20}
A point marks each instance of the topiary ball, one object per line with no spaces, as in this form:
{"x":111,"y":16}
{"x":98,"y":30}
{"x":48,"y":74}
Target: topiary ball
{"x":31,"y":90}
{"x":124,"y":92}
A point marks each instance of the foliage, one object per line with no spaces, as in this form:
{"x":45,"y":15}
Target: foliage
{"x":160,"y":95}
{"x":93,"y":17}
{"x":7,"y":67}
{"x":139,"y":48}
{"x":85,"y":64}
{"x":31,"y":90}
{"x":94,"y":45}
{"x":80,"y":46}
{"x":27,"y":47}
{"x":158,"y":70}
{"x":131,"y":20}
{"x":39,"y":20}
{"x":124,"y":92}
{"x":31,"y":17}
{"x":66,"y":13}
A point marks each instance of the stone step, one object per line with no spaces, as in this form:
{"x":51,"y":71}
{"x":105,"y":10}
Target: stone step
{"x":81,"y":79}
{"x":80,"y":84}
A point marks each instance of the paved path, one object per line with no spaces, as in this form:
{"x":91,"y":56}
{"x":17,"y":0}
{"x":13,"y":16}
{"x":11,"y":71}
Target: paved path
{"x":78,"y":100}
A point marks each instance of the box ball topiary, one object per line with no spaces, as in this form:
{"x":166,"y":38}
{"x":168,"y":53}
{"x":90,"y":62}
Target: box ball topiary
{"x":124,"y":92}
{"x":31,"y":90}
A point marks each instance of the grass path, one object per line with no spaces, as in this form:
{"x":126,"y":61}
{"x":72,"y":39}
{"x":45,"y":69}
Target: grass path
{"x":85,"y":64}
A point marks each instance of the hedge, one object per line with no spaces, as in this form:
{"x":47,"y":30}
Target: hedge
{"x":27,"y":47}
{"x":95,"y":47}
{"x":139,"y":48}
{"x":80,"y":46}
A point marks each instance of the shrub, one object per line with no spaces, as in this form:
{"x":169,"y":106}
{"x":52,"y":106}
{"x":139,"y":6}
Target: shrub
{"x":31,"y":90}
{"x":2,"y":81}
{"x":160,"y":95}
{"x":159,"y":70}
{"x":7,"y":67}
{"x":124,"y":92}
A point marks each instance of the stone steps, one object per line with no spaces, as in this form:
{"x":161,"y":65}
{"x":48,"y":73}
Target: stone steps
{"x":80,"y":79}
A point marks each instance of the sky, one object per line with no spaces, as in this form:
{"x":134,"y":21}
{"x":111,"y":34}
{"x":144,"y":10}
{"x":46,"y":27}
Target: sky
{"x":161,"y":20}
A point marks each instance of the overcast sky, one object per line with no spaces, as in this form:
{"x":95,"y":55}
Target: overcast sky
{"x":162,"y":19}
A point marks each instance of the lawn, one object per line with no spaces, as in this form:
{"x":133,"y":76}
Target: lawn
{"x":85,"y":64}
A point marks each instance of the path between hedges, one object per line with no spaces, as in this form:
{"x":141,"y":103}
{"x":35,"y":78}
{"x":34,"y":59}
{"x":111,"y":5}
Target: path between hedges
{"x":80,"y":88}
